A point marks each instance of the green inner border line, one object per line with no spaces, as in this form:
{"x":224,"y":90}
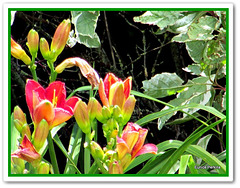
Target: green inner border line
{"x":118,"y":175}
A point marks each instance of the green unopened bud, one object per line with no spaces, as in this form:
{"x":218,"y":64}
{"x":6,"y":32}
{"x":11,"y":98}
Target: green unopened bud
{"x":96,"y":151}
{"x":41,"y":134}
{"x":19,"y":118}
{"x":115,"y":168}
{"x":43,"y":168}
{"x":106,"y":112}
{"x":44,"y":48}
{"x":128,"y":109}
{"x":116,"y":111}
{"x":26,"y":131}
{"x":17,"y":165}
{"x":82,"y":117}
{"x":32,"y":42}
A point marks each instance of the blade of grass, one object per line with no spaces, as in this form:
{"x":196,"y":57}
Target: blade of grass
{"x":62,"y":148}
{"x":73,"y":149}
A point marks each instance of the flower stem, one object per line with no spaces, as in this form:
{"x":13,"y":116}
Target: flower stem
{"x":32,"y":68}
{"x":53,"y":75}
{"x":52,"y":153}
{"x":87,"y":159}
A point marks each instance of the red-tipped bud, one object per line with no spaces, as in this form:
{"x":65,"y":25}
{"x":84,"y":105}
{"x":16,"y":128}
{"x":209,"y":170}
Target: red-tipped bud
{"x":32,"y":42}
{"x":44,"y":48}
{"x":19,"y":53}
{"x":128,"y":109}
{"x":60,"y":37}
{"x":41,"y":134}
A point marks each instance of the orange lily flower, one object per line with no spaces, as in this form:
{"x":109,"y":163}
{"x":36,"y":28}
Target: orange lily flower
{"x":132,"y":142}
{"x":27,"y":151}
{"x":50,"y":103}
{"x":114,"y":91}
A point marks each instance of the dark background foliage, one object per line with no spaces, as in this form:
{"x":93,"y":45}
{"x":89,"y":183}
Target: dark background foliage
{"x":136,"y":51}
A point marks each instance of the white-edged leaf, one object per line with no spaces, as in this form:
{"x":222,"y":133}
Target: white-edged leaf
{"x":162,"y":85}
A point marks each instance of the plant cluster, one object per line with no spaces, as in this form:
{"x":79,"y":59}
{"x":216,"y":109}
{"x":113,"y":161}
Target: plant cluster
{"x":203,"y":33}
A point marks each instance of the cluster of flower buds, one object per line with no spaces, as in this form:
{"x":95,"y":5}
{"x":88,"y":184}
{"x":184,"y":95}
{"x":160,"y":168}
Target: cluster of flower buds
{"x":129,"y":146}
{"x":27,"y":152}
{"x":118,"y":105}
{"x":58,"y":43}
{"x":20,"y":122}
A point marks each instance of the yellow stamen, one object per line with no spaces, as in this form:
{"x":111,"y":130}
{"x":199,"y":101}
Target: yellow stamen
{"x":54,"y":101}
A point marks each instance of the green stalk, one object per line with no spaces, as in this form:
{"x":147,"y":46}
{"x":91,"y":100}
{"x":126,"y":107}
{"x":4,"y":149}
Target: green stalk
{"x":87,"y":156}
{"x":53,"y":75}
{"x":52,"y":153}
{"x":32,"y":68}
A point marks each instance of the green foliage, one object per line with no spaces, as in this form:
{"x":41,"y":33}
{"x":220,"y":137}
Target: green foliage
{"x":162,"y":85}
{"x":204,"y":36}
{"x":85,"y":23}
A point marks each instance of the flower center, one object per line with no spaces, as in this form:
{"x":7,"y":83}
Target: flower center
{"x":55,"y":98}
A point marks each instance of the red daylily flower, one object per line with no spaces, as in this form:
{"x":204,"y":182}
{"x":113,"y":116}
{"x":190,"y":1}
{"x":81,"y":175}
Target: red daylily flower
{"x":114,"y":91}
{"x":132,"y":141}
{"x":27,"y":151}
{"x":50,"y":103}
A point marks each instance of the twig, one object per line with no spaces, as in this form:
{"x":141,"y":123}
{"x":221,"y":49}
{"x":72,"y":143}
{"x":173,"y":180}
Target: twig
{"x":109,"y":39}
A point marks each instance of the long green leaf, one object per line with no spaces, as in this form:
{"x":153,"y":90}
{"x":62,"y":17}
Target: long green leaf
{"x":73,"y":149}
{"x":62,"y":148}
{"x":82,"y":88}
{"x":156,"y":163}
{"x":183,"y":164}
{"x":175,"y":156}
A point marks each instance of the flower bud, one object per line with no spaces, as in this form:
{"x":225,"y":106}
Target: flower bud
{"x":43,"y":168}
{"x":96,"y":150}
{"x":19,"y":53}
{"x":41,"y":134}
{"x":106,"y":112}
{"x":19,"y":118}
{"x":44,"y":48}
{"x":115,"y":168}
{"x":67,"y":63}
{"x":82,"y":117}
{"x":32,"y":42}
{"x":17,"y":165}
{"x":128,"y":109}
{"x":60,"y":37}
{"x":26,"y":131}
{"x":116,"y":112}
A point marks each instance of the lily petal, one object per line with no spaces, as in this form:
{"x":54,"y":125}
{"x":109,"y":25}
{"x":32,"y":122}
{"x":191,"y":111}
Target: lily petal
{"x":147,"y":148}
{"x":102,"y":94}
{"x":72,"y":102}
{"x":43,"y":111}
{"x":127,"y":87}
{"x":31,"y":86}
{"x":61,"y":116}
{"x":142,"y":136}
{"x":56,"y":93}
{"x":116,"y":95}
{"x":122,"y":148}
{"x":109,"y":80}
